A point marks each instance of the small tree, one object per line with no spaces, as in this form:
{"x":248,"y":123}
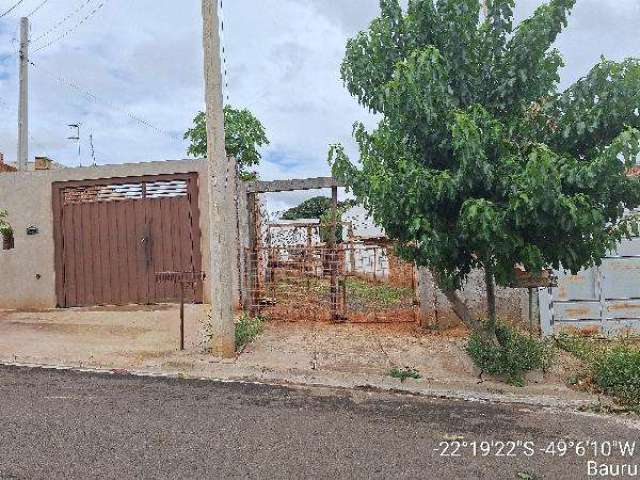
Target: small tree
{"x":478,"y":161}
{"x":244,"y":135}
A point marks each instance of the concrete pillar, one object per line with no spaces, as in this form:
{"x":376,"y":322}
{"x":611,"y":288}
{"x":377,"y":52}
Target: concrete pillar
{"x":427,"y":313}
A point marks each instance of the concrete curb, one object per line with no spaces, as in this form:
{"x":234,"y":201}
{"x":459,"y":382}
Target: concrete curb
{"x":301,"y":381}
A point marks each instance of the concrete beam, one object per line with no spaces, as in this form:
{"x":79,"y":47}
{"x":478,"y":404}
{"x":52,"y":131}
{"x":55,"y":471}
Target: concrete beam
{"x":317,"y":183}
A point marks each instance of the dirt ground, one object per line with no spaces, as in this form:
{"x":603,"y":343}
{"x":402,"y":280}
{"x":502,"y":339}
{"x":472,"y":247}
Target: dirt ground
{"x":351,"y":355}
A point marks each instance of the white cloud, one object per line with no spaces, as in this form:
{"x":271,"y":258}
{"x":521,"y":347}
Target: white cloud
{"x":283,"y":58}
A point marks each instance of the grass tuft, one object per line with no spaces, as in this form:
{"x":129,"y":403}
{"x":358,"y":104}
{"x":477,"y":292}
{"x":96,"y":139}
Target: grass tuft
{"x":403,"y":373}
{"x":247,"y":330}
{"x":517,"y":354}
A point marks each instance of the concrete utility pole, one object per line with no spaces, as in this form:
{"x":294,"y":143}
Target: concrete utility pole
{"x":23,"y":109}
{"x":485,"y":8}
{"x":221,"y":209}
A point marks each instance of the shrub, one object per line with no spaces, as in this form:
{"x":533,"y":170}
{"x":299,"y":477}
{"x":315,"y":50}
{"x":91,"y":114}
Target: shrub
{"x":586,"y":349}
{"x":515,"y":355}
{"x":247,"y":329}
{"x":5,"y":228}
{"x":617,"y":373}
{"x":403,"y":373}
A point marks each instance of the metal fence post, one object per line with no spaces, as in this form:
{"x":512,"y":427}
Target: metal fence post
{"x":333,"y":257}
{"x":251,"y":300}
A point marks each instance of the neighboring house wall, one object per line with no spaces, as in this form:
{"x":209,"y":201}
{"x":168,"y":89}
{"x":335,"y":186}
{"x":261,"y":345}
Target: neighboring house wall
{"x":39,"y":163}
{"x":27,"y":276}
{"x":368,"y":244}
{"x":512,"y":304}
{"x":294,"y":233}
{"x":371,"y":261}
{"x":362,"y":226}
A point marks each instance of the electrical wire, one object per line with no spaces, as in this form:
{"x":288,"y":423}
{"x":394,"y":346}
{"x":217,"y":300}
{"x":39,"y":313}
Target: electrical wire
{"x":11,"y":9}
{"x":72,"y":29}
{"x":64,"y":20}
{"x":14,"y":42}
{"x":94,"y":98}
{"x":35,"y":10}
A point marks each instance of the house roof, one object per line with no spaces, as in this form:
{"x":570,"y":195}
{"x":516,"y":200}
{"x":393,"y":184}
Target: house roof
{"x":634,"y":171}
{"x":4,"y":168}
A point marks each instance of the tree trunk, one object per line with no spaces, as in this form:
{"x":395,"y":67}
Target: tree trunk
{"x":461,"y":309}
{"x":492,"y":317}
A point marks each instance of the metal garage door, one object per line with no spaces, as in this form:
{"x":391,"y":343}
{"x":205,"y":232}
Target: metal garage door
{"x":113,"y":235}
{"x":605,"y":299}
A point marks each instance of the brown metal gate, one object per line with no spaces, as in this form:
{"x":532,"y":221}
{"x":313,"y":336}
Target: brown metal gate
{"x":113,"y":235}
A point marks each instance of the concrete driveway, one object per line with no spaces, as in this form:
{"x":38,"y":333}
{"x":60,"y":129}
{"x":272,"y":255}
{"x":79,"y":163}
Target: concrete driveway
{"x":117,"y":336}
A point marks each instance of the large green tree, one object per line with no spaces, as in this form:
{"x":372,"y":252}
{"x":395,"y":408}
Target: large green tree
{"x":320,"y":207}
{"x":478,"y":160}
{"x":244,"y":136}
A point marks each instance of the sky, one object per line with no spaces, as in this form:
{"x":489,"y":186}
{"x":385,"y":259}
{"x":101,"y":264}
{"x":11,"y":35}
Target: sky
{"x":135,"y":63}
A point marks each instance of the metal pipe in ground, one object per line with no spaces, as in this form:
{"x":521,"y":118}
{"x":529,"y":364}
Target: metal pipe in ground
{"x":181,"y":316}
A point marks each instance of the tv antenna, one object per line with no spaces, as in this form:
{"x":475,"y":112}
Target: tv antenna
{"x":93,"y":151}
{"x":76,"y":138}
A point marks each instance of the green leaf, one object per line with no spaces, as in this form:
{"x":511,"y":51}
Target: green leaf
{"x":478,"y":158}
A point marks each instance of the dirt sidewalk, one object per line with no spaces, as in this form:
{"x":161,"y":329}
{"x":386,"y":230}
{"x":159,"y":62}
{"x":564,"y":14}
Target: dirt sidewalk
{"x":144,"y":340}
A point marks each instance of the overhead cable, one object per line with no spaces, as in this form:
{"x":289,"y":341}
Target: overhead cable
{"x":35,"y":10}
{"x":71,"y":30}
{"x":94,"y":98}
{"x":11,"y":9}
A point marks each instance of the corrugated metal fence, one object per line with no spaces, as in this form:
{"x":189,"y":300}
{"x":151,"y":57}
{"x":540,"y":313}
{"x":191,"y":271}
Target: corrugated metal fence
{"x":605,"y":299}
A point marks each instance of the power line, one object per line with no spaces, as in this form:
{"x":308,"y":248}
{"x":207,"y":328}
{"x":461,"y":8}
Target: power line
{"x":11,"y":9}
{"x":63,"y":21}
{"x":94,"y":98}
{"x":35,"y":10}
{"x":72,"y":29}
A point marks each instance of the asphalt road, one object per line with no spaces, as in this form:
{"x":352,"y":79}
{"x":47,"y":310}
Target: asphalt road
{"x":69,"y":425}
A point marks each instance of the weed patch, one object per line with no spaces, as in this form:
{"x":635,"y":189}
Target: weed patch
{"x":403,"y":373}
{"x":527,"y":476}
{"x":247,"y":329}
{"x":381,"y":295}
{"x":613,"y":367}
{"x":515,"y":355}
{"x":617,"y":373}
